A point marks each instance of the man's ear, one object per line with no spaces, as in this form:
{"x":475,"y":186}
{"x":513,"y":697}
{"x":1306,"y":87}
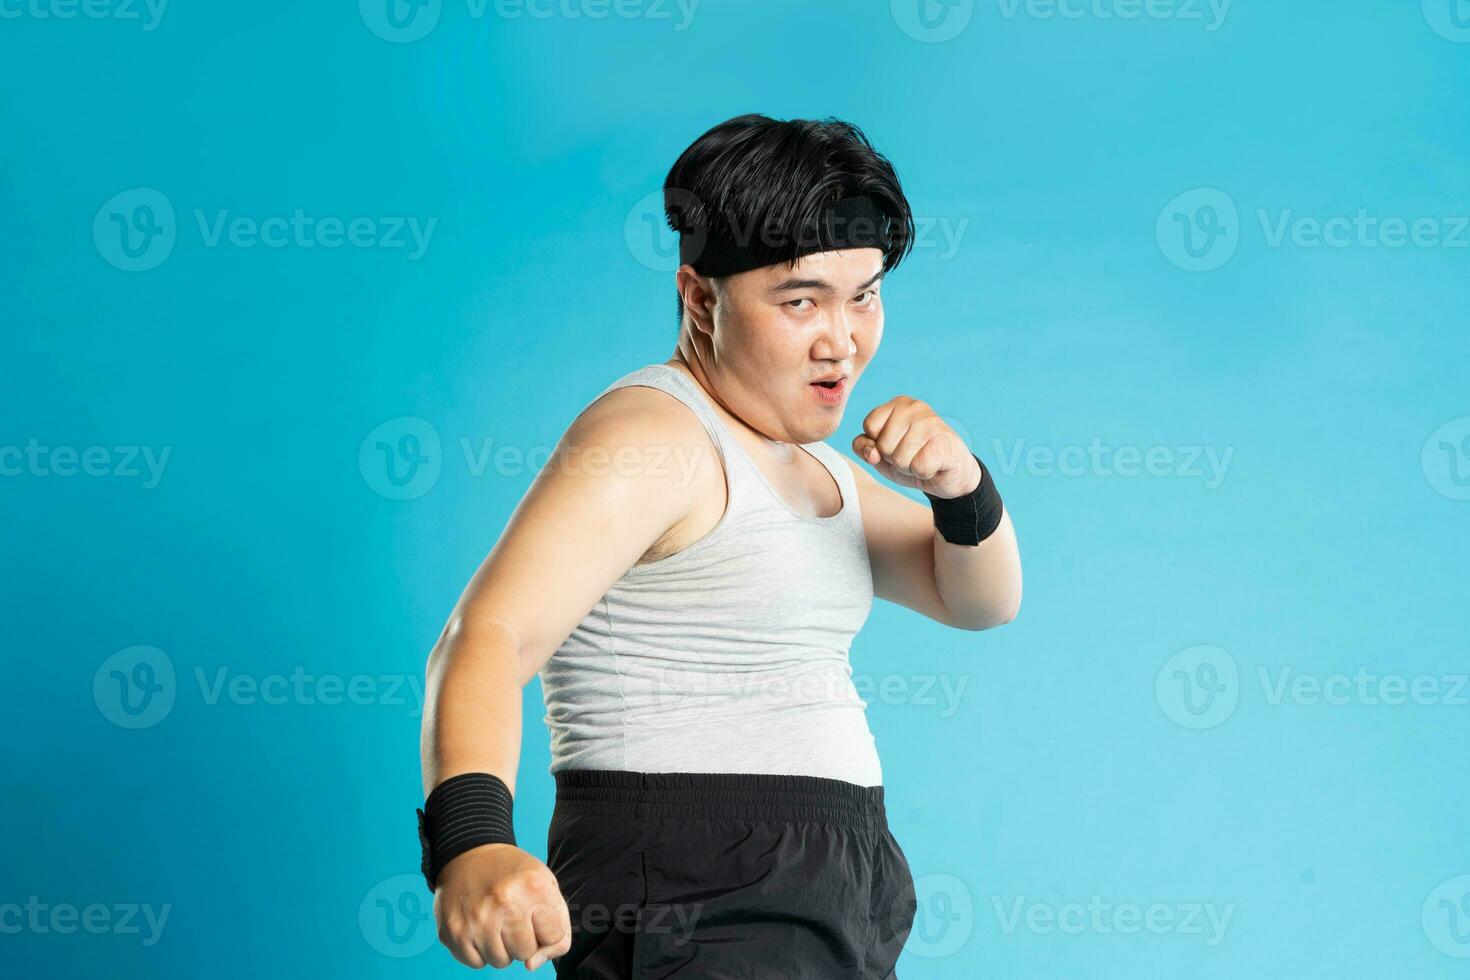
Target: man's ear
{"x":699,"y":297}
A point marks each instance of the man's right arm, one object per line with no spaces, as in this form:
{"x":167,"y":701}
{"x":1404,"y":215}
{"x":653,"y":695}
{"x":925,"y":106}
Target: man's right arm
{"x":604,"y":497}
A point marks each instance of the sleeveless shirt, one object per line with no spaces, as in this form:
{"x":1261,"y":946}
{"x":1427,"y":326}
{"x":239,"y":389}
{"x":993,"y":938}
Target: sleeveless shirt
{"x":732,"y":654}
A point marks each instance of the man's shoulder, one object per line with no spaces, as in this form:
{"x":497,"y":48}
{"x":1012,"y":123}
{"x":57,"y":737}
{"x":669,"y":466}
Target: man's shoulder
{"x":639,"y":411}
{"x":647,"y":436}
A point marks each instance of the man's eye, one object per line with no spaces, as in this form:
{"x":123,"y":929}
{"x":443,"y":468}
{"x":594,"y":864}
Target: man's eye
{"x":871,"y":294}
{"x":792,"y":303}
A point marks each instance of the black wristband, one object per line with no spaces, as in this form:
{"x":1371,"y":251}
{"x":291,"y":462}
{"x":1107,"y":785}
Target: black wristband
{"x":972,"y":518}
{"x":462,"y":812}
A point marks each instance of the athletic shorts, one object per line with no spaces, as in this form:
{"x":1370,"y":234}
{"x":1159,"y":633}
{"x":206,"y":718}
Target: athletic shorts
{"x":726,"y":876}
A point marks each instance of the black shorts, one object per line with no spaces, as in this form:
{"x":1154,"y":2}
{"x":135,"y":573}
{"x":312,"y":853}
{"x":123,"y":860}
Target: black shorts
{"x":727,"y":875}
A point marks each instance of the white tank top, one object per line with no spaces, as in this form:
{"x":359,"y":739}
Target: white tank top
{"x":732,"y":654}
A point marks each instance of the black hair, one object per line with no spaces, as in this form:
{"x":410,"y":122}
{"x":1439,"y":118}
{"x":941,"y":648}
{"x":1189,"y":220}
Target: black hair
{"x":778,"y":175}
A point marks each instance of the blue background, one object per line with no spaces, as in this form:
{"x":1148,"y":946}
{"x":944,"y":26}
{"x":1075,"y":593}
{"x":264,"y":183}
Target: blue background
{"x":1100,"y":746}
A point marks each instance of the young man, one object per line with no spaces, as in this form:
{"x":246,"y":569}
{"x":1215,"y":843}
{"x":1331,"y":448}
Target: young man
{"x":686,"y":575}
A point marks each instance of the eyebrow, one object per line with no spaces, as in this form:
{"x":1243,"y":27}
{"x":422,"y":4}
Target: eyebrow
{"x":821,"y":285}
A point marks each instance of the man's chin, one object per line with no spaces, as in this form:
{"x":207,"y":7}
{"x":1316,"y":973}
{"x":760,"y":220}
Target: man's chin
{"x":825,"y":432}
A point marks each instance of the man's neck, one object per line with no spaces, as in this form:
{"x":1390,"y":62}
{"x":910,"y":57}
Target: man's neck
{"x":781,"y":452}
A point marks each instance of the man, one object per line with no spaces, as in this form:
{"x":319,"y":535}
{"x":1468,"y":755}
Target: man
{"x":686,"y":575}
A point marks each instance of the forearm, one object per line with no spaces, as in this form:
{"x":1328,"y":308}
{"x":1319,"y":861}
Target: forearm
{"x":980,"y":584}
{"x":472,"y":705}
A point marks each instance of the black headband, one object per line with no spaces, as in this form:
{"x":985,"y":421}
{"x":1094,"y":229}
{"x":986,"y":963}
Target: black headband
{"x":852,"y":222}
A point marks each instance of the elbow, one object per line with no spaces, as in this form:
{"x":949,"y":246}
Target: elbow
{"x":483,"y":641}
{"x":1012,"y":610}
{"x":999,"y":619}
{"x":450,"y":637}
{"x":991,"y":618}
{"x":436,"y":658}
{"x":439,"y":652}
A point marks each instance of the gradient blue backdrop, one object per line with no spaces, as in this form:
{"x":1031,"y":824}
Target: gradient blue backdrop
{"x":1112,"y":187}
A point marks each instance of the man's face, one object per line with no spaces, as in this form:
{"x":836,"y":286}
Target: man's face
{"x":779,"y":328}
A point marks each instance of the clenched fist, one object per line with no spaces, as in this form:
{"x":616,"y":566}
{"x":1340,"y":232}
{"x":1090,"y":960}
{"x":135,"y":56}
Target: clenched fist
{"x":910,"y":444}
{"x":496,"y":904}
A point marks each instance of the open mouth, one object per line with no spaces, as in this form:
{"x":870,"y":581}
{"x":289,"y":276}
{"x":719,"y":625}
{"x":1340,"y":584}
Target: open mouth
{"x":831,"y":392}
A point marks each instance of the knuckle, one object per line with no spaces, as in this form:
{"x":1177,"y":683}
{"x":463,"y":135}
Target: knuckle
{"x":487,"y":914}
{"x":543,"y":889}
{"x":449,"y":931}
{"x":455,"y":942}
{"x":467,"y":957}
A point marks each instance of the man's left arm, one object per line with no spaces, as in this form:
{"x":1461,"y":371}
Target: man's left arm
{"x":966,"y":586}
